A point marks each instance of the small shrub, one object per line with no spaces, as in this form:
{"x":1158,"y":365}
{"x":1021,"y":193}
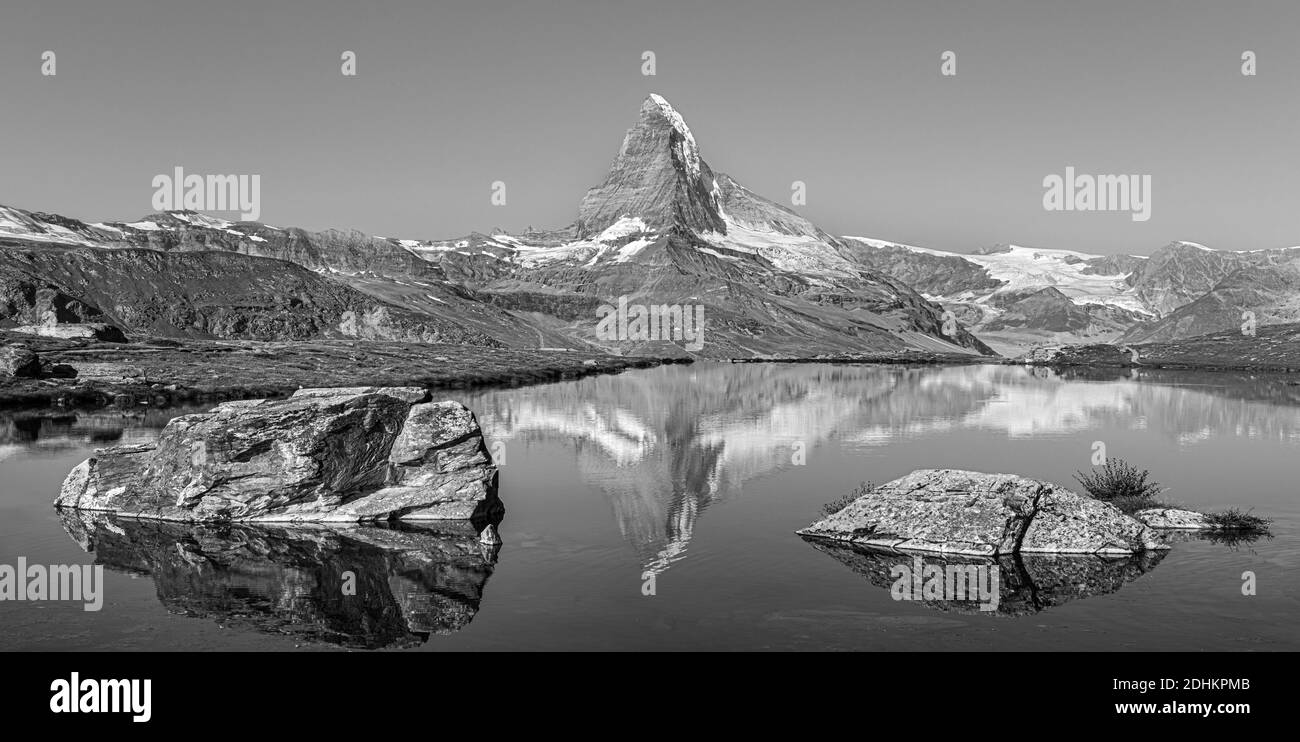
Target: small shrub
{"x":1234,"y":519}
{"x":1119,"y":482}
{"x":835,"y":506}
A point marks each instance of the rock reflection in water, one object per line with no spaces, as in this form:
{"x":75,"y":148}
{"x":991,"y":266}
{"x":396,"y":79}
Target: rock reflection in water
{"x":1027,"y":583}
{"x":410,"y":580}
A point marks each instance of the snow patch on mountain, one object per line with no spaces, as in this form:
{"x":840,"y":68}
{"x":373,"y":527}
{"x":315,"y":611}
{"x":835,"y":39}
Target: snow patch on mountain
{"x":1025,"y":267}
{"x":624,"y":227}
{"x":629,"y":251}
{"x":873,"y":242}
{"x":796,"y":253}
{"x":1022,"y":268}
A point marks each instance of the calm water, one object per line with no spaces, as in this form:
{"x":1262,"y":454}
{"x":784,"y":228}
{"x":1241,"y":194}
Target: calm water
{"x":694,"y":478}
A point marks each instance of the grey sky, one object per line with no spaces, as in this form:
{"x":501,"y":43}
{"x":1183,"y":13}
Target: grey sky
{"x":845,"y":96}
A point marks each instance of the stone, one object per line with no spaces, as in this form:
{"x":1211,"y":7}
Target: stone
{"x":1174,"y":519}
{"x":489,"y":536}
{"x":61,"y":371}
{"x":17,"y":361}
{"x":950,"y":511}
{"x":410,"y":394}
{"x":350,"y":454}
{"x":72,"y":331}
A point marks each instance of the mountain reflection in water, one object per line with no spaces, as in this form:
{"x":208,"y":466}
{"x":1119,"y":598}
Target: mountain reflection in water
{"x":666,"y":444}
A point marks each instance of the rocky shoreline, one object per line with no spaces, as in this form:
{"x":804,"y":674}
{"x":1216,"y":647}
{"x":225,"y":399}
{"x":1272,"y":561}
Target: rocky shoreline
{"x":1273,"y":348}
{"x":163,"y":372}
{"x":87,"y":371}
{"x":920,"y":358}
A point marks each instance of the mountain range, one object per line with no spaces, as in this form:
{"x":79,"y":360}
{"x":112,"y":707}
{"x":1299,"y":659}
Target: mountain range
{"x":1015,"y":297}
{"x":662,"y":229}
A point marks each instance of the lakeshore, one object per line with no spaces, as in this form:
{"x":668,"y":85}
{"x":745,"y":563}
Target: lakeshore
{"x":161,"y":372}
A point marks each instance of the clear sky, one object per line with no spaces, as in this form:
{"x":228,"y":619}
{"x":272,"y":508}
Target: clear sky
{"x":844,"y":96}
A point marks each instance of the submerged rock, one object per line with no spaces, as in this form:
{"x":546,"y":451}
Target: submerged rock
{"x":963,"y":512}
{"x":349,"y":454}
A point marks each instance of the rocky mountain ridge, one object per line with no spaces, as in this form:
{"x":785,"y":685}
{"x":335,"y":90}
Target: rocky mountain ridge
{"x":1182,"y":290}
{"x":663,"y":229}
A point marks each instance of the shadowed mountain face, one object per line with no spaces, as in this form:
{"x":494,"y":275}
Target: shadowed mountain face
{"x":1023,"y":585}
{"x":1052,"y":313}
{"x":364,"y":587}
{"x":201,"y":295}
{"x":1270,"y":292}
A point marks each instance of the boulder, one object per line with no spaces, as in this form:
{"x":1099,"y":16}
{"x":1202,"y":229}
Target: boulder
{"x":17,"y":361}
{"x":1174,"y":519}
{"x":60,"y":371}
{"x":352,"y":454}
{"x":962,"y":512}
{"x":82,"y":330}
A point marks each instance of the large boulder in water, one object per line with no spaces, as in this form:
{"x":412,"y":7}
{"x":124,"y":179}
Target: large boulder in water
{"x":351,"y":454}
{"x":964,"y":512}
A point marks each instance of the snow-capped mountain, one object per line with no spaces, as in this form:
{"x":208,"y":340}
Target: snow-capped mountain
{"x":1084,"y":278}
{"x":1013,"y":296}
{"x":663,"y":229}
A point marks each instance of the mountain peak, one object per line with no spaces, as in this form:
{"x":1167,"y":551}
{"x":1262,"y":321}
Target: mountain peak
{"x":658,"y":177}
{"x":690,"y":152}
